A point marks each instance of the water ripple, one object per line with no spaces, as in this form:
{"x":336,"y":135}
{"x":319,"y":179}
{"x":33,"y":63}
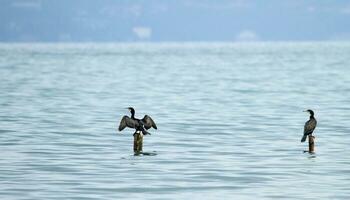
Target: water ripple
{"x":229,"y":118}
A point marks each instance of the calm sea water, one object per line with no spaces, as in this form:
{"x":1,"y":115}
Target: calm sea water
{"x":229,"y":121}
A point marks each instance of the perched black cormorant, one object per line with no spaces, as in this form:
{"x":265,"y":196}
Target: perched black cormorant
{"x":310,"y":125}
{"x":138,"y":124}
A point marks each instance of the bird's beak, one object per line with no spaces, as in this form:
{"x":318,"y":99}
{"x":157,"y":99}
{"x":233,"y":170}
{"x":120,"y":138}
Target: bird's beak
{"x":304,"y":110}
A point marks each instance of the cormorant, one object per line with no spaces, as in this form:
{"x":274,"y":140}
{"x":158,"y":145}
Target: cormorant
{"x":138,"y":124}
{"x":309,"y":126}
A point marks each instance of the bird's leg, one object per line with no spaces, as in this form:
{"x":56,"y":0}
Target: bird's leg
{"x":137,"y":132}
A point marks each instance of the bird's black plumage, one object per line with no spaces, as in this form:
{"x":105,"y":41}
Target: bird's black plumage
{"x":309,"y":126}
{"x":138,"y":124}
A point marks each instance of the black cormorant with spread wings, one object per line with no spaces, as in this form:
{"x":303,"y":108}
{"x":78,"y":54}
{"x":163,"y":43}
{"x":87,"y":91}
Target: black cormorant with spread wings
{"x":137,"y":124}
{"x":310,"y":125}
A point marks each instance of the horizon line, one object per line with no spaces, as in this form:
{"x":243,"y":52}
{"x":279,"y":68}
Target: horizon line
{"x":174,"y":41}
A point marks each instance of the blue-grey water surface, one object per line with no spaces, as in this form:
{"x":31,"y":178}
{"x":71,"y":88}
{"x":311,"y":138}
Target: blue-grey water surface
{"x":229,"y":120}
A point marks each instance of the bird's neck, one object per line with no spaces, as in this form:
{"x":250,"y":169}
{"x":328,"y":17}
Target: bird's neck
{"x":132,"y":115}
{"x":312,"y":117}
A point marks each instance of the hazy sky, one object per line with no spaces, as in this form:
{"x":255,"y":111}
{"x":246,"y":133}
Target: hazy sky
{"x":174,"y":20}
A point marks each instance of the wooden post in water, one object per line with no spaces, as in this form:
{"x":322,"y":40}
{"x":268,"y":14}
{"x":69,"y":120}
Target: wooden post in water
{"x":138,"y":140}
{"x":311,"y":144}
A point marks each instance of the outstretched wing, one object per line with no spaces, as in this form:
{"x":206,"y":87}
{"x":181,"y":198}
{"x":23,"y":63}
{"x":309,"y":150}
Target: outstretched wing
{"x":309,"y":126}
{"x":148,"y":122}
{"x":127,"y":122}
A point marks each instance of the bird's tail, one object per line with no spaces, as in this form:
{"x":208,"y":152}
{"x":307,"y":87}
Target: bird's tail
{"x":304,"y":138}
{"x":144,"y":131}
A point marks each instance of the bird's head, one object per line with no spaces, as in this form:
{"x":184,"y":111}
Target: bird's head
{"x":310,"y":111}
{"x":131,"y":109}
